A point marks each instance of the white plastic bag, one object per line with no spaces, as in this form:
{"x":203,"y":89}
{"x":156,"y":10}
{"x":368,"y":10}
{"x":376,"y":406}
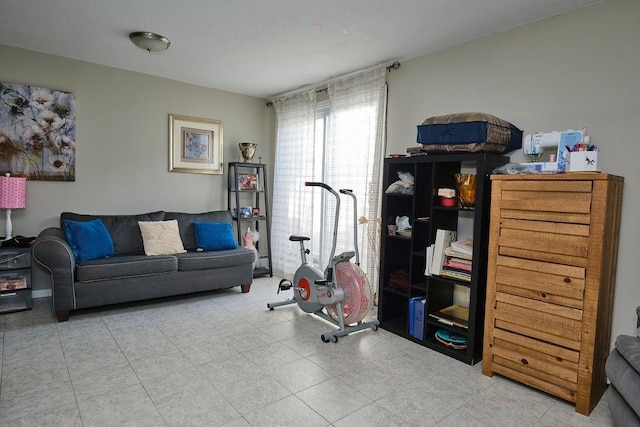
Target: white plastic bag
{"x":403,"y":186}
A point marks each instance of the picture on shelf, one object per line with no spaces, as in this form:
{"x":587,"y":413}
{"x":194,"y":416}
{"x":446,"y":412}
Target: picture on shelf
{"x":247,"y":182}
{"x":255,"y":212}
{"x":245,"y":212}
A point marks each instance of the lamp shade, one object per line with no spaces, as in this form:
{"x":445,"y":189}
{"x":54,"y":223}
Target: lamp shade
{"x":13,"y":192}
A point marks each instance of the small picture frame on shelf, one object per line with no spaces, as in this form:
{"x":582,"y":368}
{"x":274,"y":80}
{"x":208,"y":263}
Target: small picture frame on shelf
{"x":245,"y":212}
{"x":248,"y":182}
{"x":255,"y":212}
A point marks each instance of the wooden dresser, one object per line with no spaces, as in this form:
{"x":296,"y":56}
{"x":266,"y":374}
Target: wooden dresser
{"x":550,"y":280}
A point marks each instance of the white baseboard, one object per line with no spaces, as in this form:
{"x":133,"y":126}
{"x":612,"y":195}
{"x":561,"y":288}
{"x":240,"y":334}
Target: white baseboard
{"x":41,"y":293}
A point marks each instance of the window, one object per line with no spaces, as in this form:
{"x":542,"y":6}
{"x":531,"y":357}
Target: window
{"x":338,"y":141}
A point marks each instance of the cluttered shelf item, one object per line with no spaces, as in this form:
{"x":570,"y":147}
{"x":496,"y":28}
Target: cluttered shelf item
{"x":555,"y":152}
{"x":454,"y":315}
{"x":451,"y":340}
{"x":471,"y":132}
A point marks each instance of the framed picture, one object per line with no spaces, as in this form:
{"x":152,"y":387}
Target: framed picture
{"x":195,"y":145}
{"x":247,"y":181}
{"x":37,"y":132}
{"x":245,"y":212}
{"x":255,"y":212}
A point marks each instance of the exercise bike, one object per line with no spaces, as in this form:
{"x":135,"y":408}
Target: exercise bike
{"x":341,"y":294}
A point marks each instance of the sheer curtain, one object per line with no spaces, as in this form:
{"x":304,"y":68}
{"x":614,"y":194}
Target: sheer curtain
{"x":294,"y":164}
{"x":345,"y":151}
{"x":354,"y":156}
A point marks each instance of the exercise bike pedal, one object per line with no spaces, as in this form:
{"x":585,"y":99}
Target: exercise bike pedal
{"x":284,"y":285}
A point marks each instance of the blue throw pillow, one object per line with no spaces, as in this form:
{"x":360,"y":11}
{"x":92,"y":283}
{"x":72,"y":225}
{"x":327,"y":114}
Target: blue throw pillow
{"x":88,"y":239}
{"x":214,"y":236}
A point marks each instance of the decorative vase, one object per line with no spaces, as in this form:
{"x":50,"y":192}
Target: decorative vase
{"x":466,"y":184}
{"x":247,"y":149}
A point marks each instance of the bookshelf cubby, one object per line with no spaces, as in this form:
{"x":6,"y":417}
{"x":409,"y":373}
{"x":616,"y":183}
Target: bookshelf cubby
{"x":406,"y":256}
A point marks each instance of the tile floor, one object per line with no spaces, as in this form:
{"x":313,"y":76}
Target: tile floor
{"x":223,"y":359}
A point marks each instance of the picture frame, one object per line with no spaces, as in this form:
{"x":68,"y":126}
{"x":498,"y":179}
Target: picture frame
{"x":247,"y":182}
{"x":255,"y":212}
{"x":195,"y":145}
{"x":37,"y":132}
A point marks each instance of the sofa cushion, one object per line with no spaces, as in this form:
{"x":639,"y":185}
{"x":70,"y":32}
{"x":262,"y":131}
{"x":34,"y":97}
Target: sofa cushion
{"x":125,"y":266}
{"x":215,"y":259}
{"x":620,"y":410}
{"x":186,"y":220}
{"x":214,"y":236}
{"x":624,"y":378}
{"x":88,"y":239}
{"x":629,"y":348}
{"x":161,"y":237}
{"x":124,"y":229}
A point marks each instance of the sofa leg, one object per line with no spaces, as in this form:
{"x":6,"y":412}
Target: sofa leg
{"x":62,"y":316}
{"x":245,"y":288}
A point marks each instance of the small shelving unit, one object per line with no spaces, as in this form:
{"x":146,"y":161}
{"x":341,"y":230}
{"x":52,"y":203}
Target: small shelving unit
{"x":405,"y":256}
{"x":15,"y":279}
{"x":248,"y":200}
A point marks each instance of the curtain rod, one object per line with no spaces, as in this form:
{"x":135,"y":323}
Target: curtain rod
{"x":321,"y":87}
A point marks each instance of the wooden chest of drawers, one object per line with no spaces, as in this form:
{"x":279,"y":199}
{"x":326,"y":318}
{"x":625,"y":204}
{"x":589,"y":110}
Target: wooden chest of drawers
{"x":550,"y":281}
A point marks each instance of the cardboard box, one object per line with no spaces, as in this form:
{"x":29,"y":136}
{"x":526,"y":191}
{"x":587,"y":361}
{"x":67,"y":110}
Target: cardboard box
{"x":582,"y":161}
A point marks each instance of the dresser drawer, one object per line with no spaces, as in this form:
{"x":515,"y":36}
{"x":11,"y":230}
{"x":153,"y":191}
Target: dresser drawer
{"x":15,"y":300}
{"x":543,"y":321}
{"x":14,"y":281}
{"x":535,"y":368}
{"x":553,"y":283}
{"x":551,"y":363}
{"x":12,"y":259}
{"x":554,"y":202}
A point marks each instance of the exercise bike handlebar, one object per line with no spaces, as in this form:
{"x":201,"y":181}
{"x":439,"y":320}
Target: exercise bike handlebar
{"x":317,"y":184}
{"x":355,"y":221}
{"x":335,"y":220}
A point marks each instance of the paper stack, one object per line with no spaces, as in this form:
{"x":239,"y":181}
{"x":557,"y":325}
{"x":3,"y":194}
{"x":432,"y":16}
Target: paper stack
{"x":457,"y":264}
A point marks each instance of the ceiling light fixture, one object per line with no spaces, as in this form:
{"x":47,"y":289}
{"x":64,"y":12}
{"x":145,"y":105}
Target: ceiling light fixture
{"x":150,"y":42}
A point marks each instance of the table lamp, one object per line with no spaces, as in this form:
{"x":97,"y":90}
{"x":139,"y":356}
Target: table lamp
{"x":13,"y":195}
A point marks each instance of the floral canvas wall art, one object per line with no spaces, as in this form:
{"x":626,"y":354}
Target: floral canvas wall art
{"x":37,"y":132}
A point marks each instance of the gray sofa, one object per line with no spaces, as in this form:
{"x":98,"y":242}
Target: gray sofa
{"x":623,"y":371}
{"x":130,"y":275}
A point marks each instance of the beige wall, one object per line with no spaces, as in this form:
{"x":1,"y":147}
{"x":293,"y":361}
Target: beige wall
{"x":122,"y":140}
{"x":574,"y":70}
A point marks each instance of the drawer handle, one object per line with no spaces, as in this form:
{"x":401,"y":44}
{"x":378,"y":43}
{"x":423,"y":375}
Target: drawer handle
{"x":567,"y":280}
{"x":12,"y":294}
{"x":524,"y":361}
{"x":543,"y":295}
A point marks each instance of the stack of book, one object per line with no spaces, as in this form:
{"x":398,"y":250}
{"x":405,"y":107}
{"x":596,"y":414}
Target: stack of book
{"x":457,"y":262}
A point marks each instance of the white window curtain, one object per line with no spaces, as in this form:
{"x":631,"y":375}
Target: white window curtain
{"x":354,"y":156}
{"x":294,"y":164}
{"x":347,"y":154}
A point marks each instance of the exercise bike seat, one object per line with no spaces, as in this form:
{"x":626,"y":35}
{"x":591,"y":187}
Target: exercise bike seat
{"x":299,"y":238}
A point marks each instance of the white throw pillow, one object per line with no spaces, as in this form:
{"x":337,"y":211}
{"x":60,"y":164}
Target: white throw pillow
{"x":161,"y":237}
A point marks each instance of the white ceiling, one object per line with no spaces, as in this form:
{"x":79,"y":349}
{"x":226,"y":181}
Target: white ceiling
{"x":260,"y":47}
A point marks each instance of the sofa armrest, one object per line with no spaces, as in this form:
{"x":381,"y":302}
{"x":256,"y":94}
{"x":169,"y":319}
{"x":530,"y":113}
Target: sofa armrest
{"x":51,"y":250}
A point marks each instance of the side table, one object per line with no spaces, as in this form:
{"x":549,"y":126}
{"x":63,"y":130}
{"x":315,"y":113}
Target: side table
{"x":15,"y":279}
